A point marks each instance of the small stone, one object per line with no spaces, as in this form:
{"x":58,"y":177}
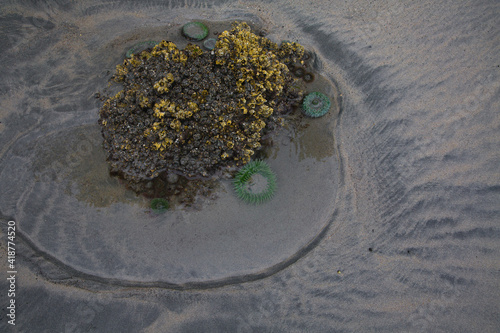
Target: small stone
{"x":172,"y":178}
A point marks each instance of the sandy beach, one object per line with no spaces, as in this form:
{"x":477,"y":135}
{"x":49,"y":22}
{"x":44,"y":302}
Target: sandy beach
{"x":388,"y":216}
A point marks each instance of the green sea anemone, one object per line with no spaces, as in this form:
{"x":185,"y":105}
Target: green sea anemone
{"x":316,"y":104}
{"x":209,"y":44}
{"x":308,"y":77}
{"x":195,"y":31}
{"x":140,"y":47}
{"x":255,"y":182}
{"x":299,"y":71}
{"x":159,"y":205}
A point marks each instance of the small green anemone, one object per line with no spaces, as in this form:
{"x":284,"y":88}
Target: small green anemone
{"x":316,"y":104}
{"x":140,"y":47}
{"x":308,"y":77}
{"x":195,"y":31}
{"x":159,"y":205}
{"x":255,"y":182}
{"x":209,"y":44}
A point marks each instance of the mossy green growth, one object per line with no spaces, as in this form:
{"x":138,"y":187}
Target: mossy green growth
{"x":316,"y":104}
{"x":159,"y":205}
{"x":244,"y":181}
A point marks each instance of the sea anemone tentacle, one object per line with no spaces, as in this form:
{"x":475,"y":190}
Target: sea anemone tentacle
{"x":159,"y":205}
{"x":243,"y":179}
{"x":195,"y":31}
{"x":316,"y":104}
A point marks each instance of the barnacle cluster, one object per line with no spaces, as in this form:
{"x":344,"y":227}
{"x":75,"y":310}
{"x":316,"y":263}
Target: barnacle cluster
{"x":193,"y":112}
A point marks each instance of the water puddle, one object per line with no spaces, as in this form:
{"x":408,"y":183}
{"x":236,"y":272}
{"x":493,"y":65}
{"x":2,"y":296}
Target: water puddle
{"x":70,"y":207}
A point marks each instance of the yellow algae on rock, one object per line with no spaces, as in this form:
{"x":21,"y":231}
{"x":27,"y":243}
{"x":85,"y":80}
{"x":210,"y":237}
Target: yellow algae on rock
{"x":195,"y":112}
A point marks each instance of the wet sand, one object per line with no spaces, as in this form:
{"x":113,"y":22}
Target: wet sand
{"x":412,"y":244}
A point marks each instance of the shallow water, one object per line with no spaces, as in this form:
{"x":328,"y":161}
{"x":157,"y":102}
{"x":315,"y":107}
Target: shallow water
{"x":413,"y":237}
{"x":64,"y":189}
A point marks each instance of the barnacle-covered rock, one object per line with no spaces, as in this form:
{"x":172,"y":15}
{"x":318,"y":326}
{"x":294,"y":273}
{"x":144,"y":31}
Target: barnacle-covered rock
{"x":193,"y":112}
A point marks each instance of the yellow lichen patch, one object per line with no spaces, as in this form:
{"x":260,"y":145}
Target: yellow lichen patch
{"x":265,"y":111}
{"x":259,"y":100}
{"x":193,"y":50}
{"x":175,"y":124}
{"x":145,"y":55}
{"x":121,"y":71}
{"x":144,"y":101}
{"x":164,"y":106}
{"x":192,"y":106}
{"x":163,"y":145}
{"x":159,"y":109}
{"x":165,"y":46}
{"x":183,"y":114}
{"x":159,"y":114}
{"x":255,"y":63}
{"x":291,"y":52}
{"x":182,"y":57}
{"x":134,"y":62}
{"x":164,"y":84}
